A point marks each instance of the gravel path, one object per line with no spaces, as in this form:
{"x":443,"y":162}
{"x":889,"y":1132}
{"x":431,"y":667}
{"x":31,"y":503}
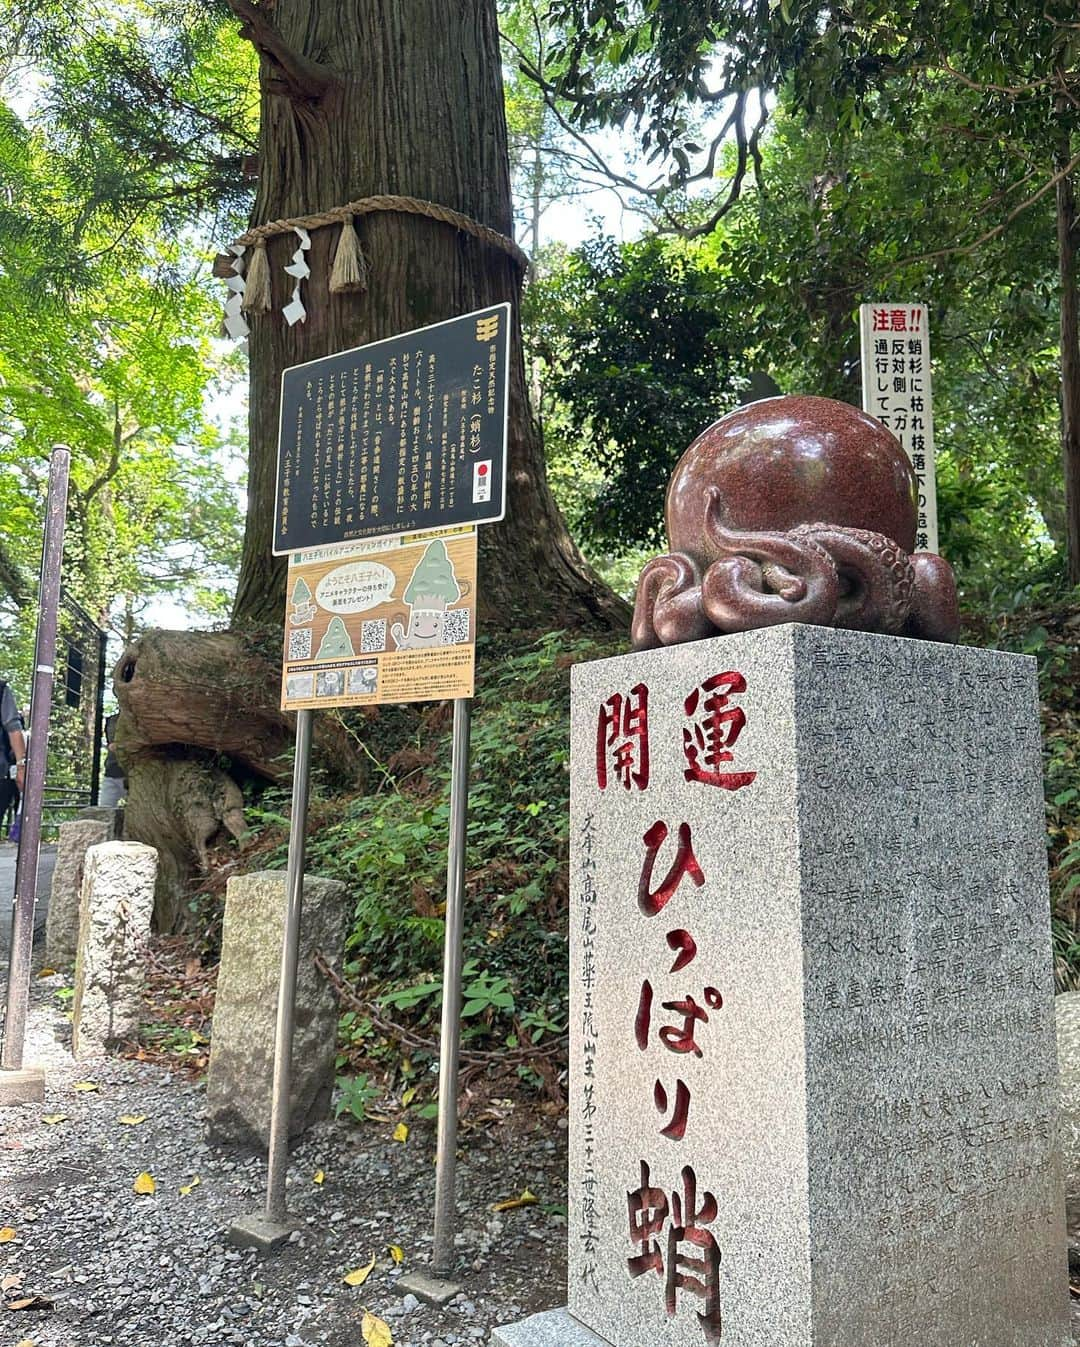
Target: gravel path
{"x":126,"y":1269}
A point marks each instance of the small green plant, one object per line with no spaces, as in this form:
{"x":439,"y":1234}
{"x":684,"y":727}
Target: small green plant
{"x":355,"y":1095}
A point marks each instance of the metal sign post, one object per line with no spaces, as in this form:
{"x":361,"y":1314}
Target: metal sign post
{"x":268,"y":1229}
{"x":442,"y":1261}
{"x":17,"y":1084}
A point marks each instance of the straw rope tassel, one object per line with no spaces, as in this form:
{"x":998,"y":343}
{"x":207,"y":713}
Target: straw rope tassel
{"x":257,"y":281}
{"x":350,"y":268}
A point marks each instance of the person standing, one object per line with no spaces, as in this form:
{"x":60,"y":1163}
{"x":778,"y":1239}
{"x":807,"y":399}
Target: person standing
{"x":113,"y":787}
{"x":13,"y":745}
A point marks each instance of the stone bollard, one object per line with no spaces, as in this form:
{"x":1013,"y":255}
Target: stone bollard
{"x":62,"y":920}
{"x":114,"y":927}
{"x":241,"y":1072}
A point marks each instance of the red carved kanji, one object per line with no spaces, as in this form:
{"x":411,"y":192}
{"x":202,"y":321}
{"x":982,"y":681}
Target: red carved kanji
{"x":622,"y":739}
{"x":652,"y":901}
{"x":700,"y":1275}
{"x":648,"y":1212}
{"x":676,"y":1128}
{"x":708,"y":743}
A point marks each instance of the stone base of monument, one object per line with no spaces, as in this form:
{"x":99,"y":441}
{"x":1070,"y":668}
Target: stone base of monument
{"x":24,"y":1086}
{"x":813,"y":1080}
{"x":259,"y":1232}
{"x":427,"y":1288}
{"x":552,"y":1328}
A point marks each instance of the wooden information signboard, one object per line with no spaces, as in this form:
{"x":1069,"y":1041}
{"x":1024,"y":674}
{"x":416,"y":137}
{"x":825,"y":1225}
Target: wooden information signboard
{"x":399,"y":436}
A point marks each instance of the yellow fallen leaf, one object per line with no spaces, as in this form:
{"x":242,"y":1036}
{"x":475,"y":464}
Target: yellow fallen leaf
{"x":320,"y":1176}
{"x":376,"y":1331}
{"x":52,"y":1118}
{"x":85,"y":1085}
{"x":401,"y":1132}
{"x":7,"y":1234}
{"x":397,"y":1253}
{"x":132,"y":1119}
{"x":46,"y":972}
{"x":26,"y":1342}
{"x":526,"y":1199}
{"x":11,"y":1282}
{"x":144,"y":1185}
{"x":187,"y":1187}
{"x":408,"y":1096}
{"x":359,"y":1275}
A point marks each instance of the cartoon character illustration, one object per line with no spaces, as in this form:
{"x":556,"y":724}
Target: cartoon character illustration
{"x":304,"y":610}
{"x":336,"y":644}
{"x":433,"y":587}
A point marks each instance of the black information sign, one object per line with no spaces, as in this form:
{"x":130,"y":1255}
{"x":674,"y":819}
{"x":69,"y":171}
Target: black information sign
{"x":399,"y":436}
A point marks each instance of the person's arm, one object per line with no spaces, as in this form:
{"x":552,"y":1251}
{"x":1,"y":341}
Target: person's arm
{"x":18,"y":747}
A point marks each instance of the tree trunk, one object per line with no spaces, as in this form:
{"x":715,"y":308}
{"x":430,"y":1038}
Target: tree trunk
{"x":198,"y":715}
{"x":401,"y":97}
{"x":1070,"y":358}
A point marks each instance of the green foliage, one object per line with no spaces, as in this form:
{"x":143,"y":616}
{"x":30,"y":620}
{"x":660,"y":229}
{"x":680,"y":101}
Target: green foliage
{"x":355,"y":1095}
{"x":390,"y":848}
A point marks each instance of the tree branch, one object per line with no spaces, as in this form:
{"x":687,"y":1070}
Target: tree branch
{"x":304,"y":80}
{"x":964,"y":249}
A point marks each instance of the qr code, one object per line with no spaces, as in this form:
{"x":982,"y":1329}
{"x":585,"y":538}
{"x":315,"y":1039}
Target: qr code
{"x":300,"y":643}
{"x":456,"y":627}
{"x":373,"y":635}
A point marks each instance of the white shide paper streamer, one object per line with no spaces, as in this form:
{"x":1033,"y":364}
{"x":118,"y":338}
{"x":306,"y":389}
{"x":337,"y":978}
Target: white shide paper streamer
{"x":294,"y":311}
{"x":235,"y":323}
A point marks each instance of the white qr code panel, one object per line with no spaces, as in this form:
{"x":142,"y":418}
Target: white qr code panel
{"x":373,"y":635}
{"x":300,"y":643}
{"x":455,"y":627}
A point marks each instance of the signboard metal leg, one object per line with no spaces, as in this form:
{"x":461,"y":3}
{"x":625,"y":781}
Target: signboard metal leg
{"x":445,"y":1166}
{"x":272,"y":1227}
{"x":26,"y":865}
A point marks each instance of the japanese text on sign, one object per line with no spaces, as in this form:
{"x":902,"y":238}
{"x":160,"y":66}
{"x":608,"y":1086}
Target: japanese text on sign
{"x":676,"y":1012}
{"x":895,"y":341}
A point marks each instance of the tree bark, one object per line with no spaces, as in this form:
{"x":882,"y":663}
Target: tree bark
{"x":400,"y":97}
{"x":1070,"y":357}
{"x":198,"y":715}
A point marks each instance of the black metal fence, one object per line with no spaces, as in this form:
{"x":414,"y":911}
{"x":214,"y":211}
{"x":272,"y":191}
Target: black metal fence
{"x":73,"y":776}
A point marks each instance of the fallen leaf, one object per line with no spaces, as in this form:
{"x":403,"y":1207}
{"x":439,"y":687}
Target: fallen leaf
{"x":86,"y":1085}
{"x":30,"y":1303}
{"x":359,"y":1275}
{"x":319,"y":1177}
{"x":144,"y":1185}
{"x":53,"y":1118}
{"x":397,"y":1253}
{"x":7,"y":1234}
{"x":46,"y":972}
{"x":26,"y":1342}
{"x":11,"y":1281}
{"x":401,"y":1132}
{"x":408,"y":1096}
{"x":526,"y":1199}
{"x":186,"y":1189}
{"x":376,"y":1331}
{"x":132,"y":1119}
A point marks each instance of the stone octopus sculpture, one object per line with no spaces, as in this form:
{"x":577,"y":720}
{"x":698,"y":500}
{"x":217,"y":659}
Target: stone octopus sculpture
{"x":793,"y":509}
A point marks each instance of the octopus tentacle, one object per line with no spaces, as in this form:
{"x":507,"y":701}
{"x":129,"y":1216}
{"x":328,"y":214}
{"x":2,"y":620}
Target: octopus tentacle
{"x":667,"y":605}
{"x":877,"y":581}
{"x":935,"y":614}
{"x":762,"y":579}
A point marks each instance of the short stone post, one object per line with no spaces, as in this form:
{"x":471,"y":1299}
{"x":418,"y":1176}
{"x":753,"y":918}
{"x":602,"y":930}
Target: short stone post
{"x":114,"y":928}
{"x":241,"y":1071}
{"x":62,"y":919}
{"x":813,"y":1087}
